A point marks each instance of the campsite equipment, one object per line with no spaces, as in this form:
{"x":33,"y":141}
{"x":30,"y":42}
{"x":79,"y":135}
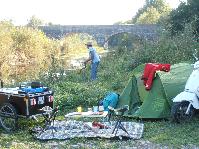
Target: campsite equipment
{"x":79,"y":109}
{"x":187,"y":101}
{"x":49,"y":114}
{"x":118,"y":125}
{"x":100,"y":125}
{"x":156,"y":102}
{"x":24,"y":101}
{"x":110,"y":99}
{"x":101,"y":108}
{"x":95,"y":108}
{"x":81,"y":129}
{"x":150,"y":71}
{"x":89,"y":109}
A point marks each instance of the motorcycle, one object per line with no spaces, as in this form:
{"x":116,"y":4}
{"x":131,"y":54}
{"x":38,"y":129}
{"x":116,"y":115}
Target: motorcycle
{"x":187,"y":102}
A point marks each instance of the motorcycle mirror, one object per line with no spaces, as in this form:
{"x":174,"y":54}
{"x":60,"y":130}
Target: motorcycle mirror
{"x":194,"y":54}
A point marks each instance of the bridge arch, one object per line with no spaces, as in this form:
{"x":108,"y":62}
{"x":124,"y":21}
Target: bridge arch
{"x":101,"y":32}
{"x":115,"y":39}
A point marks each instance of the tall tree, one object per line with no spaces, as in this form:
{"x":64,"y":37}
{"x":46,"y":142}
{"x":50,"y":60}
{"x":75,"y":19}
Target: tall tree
{"x":151,"y":12}
{"x":34,"y":22}
{"x":150,"y":16}
{"x":184,"y":14}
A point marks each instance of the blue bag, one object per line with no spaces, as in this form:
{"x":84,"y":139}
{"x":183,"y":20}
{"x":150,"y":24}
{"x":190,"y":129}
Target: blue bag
{"x":33,"y":90}
{"x":110,"y":99}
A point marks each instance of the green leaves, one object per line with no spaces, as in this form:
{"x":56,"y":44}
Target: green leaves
{"x":24,"y":52}
{"x":152,"y":12}
{"x":75,"y":94}
{"x":183,"y":15}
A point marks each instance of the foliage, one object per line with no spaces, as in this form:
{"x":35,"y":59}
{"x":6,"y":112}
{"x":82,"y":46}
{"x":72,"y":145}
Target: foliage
{"x":73,"y":47}
{"x":169,"y":49}
{"x":34,"y":22}
{"x":150,"y":16}
{"x":151,"y":12}
{"x":184,"y":14}
{"x":25,"y":52}
{"x":6,"y":45}
{"x":75,"y":94}
{"x":122,"y":40}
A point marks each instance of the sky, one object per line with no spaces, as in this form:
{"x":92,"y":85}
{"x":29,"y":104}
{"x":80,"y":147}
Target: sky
{"x":72,"y":12}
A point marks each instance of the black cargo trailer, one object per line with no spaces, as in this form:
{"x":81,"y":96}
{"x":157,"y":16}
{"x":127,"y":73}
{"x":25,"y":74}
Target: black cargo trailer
{"x":24,"y":102}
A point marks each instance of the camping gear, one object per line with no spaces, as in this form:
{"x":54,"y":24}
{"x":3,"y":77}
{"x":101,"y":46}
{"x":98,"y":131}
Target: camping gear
{"x":156,"y":102}
{"x":118,"y":125}
{"x":49,"y":117}
{"x":101,"y":108}
{"x":89,"y":114}
{"x":79,"y":109}
{"x":36,"y":84}
{"x":95,"y":108}
{"x":187,"y":101}
{"x":110,"y":99}
{"x":79,"y":129}
{"x":89,"y":109}
{"x":99,"y":125}
{"x":150,"y":71}
{"x":22,"y":102}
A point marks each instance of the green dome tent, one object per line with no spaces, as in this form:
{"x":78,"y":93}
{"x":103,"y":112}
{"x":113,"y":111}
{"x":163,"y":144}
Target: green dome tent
{"x":155,"y":103}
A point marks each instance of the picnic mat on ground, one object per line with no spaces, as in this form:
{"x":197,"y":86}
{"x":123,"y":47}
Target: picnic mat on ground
{"x":71,"y":129}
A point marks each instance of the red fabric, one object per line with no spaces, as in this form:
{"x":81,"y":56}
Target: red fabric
{"x":149,"y":73}
{"x":101,"y":126}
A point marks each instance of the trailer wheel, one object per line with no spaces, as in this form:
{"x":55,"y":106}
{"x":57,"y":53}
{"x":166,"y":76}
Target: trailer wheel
{"x":8,"y":117}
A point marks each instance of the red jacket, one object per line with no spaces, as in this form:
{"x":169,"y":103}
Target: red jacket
{"x":149,"y":73}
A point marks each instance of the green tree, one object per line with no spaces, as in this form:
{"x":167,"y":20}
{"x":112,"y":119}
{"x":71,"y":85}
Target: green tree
{"x":151,"y":12}
{"x":34,"y":22}
{"x":6,"y":41}
{"x":151,"y":16}
{"x":73,"y":46}
{"x":185,"y":13}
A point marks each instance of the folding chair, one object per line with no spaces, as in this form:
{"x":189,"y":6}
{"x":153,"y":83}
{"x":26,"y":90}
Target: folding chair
{"x":118,"y":113}
{"x":49,"y":117}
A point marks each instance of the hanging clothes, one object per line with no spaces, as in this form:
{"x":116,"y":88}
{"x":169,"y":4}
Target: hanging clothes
{"x":149,"y":73}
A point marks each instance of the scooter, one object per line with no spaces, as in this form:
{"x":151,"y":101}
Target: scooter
{"x":187,"y":102}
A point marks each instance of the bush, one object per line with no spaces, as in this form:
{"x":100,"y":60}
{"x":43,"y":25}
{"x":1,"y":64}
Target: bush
{"x":75,"y":94}
{"x":169,"y":49}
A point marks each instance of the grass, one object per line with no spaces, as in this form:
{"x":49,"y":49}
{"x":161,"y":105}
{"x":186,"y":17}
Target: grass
{"x":169,"y":133}
{"x":163,"y":132}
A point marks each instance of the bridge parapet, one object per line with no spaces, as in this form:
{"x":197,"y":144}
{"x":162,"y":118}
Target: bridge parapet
{"x":101,"y":32}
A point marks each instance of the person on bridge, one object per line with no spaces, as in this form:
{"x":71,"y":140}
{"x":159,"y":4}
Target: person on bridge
{"x":94,"y":59}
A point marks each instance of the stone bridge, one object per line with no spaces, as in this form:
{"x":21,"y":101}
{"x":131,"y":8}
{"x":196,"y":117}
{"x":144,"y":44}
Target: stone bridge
{"x":101,"y":33}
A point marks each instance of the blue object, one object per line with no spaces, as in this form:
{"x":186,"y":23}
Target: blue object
{"x":33,"y":90}
{"x":93,"y":54}
{"x":94,"y":67}
{"x":110,"y":99}
{"x":95,"y":60}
